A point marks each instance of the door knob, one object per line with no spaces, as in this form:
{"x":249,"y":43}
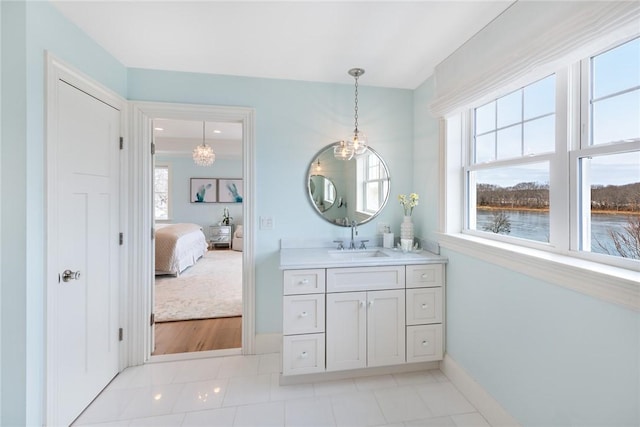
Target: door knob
{"x":69,"y":275}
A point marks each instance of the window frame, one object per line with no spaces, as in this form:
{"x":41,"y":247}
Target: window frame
{"x":572,"y":133}
{"x":362,"y":172}
{"x":166,"y":166}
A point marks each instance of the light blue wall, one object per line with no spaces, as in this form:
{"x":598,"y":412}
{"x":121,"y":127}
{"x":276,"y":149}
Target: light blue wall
{"x":205,"y":214}
{"x":293,"y":121}
{"x":549,"y":355}
{"x":28,"y":29}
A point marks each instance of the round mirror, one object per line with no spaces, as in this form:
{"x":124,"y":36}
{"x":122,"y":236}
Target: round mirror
{"x":343,"y":191}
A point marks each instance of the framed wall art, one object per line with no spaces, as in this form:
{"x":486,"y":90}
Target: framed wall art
{"x":230,"y":190}
{"x":203,"y":190}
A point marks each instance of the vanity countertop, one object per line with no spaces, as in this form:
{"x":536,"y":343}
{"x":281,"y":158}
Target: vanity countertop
{"x":325,"y":258}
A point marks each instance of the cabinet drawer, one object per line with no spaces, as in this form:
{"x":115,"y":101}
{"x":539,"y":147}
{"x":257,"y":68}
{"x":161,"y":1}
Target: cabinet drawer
{"x":304,"y":281}
{"x":302,"y":354}
{"x":425,"y":276}
{"x":303,"y":314}
{"x":424,"y":343}
{"x":424,"y":305}
{"x":365,"y":278}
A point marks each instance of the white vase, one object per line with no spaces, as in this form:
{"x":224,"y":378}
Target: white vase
{"x":406,"y":228}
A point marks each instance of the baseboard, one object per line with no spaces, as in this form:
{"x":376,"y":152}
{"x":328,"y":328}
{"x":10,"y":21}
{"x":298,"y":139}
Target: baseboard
{"x":268,"y":343}
{"x":476,"y":394}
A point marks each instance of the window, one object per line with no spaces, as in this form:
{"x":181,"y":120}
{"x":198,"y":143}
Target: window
{"x":608,"y":160}
{"x":508,"y":177}
{"x":161,"y":192}
{"x":547,"y":172}
{"x":373,"y":183}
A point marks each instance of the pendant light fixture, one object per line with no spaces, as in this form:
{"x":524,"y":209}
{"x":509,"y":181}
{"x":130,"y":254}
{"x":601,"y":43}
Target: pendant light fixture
{"x":358,"y":140}
{"x":203,"y":155}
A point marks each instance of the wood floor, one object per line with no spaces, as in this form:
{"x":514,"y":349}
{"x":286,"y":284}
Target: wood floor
{"x":198,"y":335}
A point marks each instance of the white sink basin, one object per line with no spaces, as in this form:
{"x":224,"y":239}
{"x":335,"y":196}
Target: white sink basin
{"x":358,"y":253}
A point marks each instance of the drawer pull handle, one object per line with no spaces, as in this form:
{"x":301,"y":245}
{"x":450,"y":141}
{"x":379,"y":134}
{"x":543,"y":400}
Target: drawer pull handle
{"x":361,"y":303}
{"x":303,"y":282}
{"x":424,"y":275}
{"x":370,"y":304}
{"x":424,"y":306}
{"x":304,"y":314}
{"x":303,"y":355}
{"x":425,"y":343}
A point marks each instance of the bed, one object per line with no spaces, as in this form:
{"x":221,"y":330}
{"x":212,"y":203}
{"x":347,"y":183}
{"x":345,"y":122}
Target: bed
{"x":178,"y":246}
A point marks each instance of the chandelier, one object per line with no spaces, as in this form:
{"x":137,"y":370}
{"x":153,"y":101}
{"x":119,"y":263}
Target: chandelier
{"x":203,"y":155}
{"x":356,"y":143}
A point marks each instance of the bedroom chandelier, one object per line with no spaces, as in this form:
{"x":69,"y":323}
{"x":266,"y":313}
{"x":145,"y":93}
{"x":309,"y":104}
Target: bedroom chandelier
{"x":203,"y":155}
{"x":356,"y":143}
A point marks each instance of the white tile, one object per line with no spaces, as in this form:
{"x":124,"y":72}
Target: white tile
{"x":198,"y":370}
{"x":330,"y":388}
{"x":122,"y":423}
{"x":315,"y":411}
{"x":473,"y":419}
{"x":153,"y":374}
{"x":215,"y":417}
{"x":107,"y":406}
{"x":238,"y":366}
{"x":357,"y":409}
{"x":444,"y":399}
{"x":201,"y":395}
{"x":412,"y":378}
{"x":152,"y":401}
{"x":401,"y":404}
{"x":286,"y":392}
{"x":248,"y":390}
{"x":269,"y":363}
{"x":432,"y":422}
{"x":121,"y":381}
{"x":439,"y":376}
{"x":264,"y":414}
{"x":375,"y":382}
{"x":163,"y":420}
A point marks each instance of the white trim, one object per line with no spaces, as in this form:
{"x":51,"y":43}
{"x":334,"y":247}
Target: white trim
{"x":55,"y":70}
{"x":142,"y":113}
{"x":489,"y":407}
{"x":612,"y":284}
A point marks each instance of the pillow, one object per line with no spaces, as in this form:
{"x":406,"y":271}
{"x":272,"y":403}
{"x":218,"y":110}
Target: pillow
{"x":238,"y":232}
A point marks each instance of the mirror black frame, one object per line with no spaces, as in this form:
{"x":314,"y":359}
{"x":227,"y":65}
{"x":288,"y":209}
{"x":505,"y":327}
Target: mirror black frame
{"x":326,"y":155}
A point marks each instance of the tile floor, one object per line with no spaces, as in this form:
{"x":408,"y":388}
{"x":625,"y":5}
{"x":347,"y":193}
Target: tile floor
{"x":245,"y":391}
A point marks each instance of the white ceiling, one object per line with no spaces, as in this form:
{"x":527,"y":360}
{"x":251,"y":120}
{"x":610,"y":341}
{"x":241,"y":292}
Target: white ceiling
{"x":397,"y":43}
{"x":179,"y":137}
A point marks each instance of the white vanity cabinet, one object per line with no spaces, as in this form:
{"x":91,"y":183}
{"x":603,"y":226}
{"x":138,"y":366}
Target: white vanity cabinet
{"x":360,"y":316}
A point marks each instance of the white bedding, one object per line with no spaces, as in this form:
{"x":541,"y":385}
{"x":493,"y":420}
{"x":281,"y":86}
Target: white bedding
{"x":178,"y":246}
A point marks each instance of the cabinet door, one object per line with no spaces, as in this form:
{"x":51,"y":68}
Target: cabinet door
{"x":385,"y":327}
{"x":346,"y":331}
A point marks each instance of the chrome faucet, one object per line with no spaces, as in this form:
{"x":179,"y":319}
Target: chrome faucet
{"x":354,"y":229}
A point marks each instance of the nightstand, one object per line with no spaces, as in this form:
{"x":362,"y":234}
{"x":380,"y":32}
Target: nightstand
{"x":221,"y":236}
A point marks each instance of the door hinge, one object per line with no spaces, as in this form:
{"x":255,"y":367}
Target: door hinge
{"x":153,"y":148}
{"x":121,"y":143}
{"x":121,"y":239}
{"x":152,"y":321}
{"x":153,"y":233}
{"x":120,"y":334}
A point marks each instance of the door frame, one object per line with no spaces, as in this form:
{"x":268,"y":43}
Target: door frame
{"x":56,"y":70}
{"x":140,"y":216}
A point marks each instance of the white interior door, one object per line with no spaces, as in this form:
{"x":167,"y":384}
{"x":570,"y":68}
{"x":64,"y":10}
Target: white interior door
{"x":84,"y":235}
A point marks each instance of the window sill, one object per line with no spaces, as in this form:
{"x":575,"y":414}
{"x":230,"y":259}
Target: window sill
{"x":612,"y":284}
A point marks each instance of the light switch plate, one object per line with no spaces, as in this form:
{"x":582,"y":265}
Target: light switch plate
{"x":266,"y":223}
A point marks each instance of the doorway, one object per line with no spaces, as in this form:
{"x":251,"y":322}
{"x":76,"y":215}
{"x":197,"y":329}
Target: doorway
{"x":141,"y":218}
{"x":197,"y":292}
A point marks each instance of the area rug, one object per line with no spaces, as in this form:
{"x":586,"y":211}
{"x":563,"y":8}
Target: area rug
{"x":210,"y":288}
